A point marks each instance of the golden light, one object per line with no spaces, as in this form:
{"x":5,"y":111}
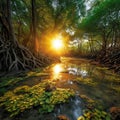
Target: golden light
{"x":57,"y":69}
{"x":57,"y":43}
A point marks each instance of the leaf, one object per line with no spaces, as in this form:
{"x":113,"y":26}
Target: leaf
{"x":47,"y":101}
{"x":108,"y":117}
{"x":81,"y":118}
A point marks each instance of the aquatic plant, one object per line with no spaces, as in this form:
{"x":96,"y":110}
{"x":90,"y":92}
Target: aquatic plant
{"x":25,"y":97}
{"x":7,"y":81}
{"x":94,"y":110}
{"x":86,"y":81}
{"x":94,"y":114}
{"x":21,"y":90}
{"x":36,"y":73}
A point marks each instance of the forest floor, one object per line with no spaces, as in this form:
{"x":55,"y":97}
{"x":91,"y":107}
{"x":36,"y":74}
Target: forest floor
{"x":70,"y":90}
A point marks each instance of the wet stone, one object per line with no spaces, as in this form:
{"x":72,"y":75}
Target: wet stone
{"x":115,"y":113}
{"x":62,"y":117}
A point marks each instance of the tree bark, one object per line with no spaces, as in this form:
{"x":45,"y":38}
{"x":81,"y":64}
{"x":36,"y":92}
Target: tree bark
{"x":13,"y":57}
{"x":11,"y":32}
{"x":33,"y":28}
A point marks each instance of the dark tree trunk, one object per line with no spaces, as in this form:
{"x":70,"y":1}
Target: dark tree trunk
{"x":32,"y":36}
{"x":13,"y":57}
{"x":10,"y":27}
{"x":33,"y":24}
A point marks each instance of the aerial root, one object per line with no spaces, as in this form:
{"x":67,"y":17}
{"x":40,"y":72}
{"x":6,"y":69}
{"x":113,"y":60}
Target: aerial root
{"x":111,"y":59}
{"x":18,"y":58}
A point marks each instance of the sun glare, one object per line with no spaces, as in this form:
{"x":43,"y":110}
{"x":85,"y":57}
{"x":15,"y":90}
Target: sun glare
{"x":57,"y":43}
{"x":57,"y":69}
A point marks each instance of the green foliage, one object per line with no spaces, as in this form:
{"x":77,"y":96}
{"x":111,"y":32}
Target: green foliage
{"x":20,"y":17}
{"x":87,"y":100}
{"x":94,"y":110}
{"x":21,"y":90}
{"x":94,"y":114}
{"x":35,"y":74}
{"x":101,"y":15}
{"x":25,"y":97}
{"x":7,"y":81}
{"x":86,"y":81}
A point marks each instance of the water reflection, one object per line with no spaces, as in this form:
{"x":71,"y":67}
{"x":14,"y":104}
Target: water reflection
{"x":90,"y":78}
{"x":71,"y":69}
{"x":57,"y":69}
{"x":78,"y":71}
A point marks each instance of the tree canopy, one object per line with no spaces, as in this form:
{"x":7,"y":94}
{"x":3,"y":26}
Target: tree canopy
{"x":34,"y":23}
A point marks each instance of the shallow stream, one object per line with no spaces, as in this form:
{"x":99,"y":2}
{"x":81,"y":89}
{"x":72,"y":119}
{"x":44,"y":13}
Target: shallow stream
{"x":88,"y":79}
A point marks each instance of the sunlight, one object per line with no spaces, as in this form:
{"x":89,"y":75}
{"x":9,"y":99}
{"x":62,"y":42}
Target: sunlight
{"x":85,"y":41}
{"x":57,"y":43}
{"x":57,"y":69}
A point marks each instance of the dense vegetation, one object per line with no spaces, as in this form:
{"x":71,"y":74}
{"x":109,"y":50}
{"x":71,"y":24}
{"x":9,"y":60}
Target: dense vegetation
{"x":25,"y":97}
{"x":34,"y":23}
{"x":88,"y":29}
{"x":102,"y":24}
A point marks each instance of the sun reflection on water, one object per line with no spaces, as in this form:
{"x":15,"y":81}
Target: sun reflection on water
{"x":56,"y":71}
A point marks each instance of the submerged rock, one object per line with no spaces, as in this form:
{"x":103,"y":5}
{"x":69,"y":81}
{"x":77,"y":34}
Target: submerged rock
{"x":62,"y":117}
{"x":115,"y":113}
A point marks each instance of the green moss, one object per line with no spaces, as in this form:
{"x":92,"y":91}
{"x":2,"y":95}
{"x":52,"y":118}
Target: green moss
{"x":113,"y":78}
{"x":21,"y":90}
{"x":2,"y":90}
{"x":86,"y":81}
{"x":94,"y":110}
{"x":117,"y":89}
{"x":25,"y":97}
{"x":36,"y":73}
{"x":102,"y":68}
{"x":94,"y":114}
{"x":8,"y":81}
{"x":87,"y":99}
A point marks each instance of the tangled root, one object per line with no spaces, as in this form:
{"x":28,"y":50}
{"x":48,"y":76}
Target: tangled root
{"x":16,"y":57}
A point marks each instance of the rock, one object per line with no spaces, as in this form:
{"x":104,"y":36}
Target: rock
{"x":81,"y":118}
{"x":49,"y":88}
{"x":115,"y":113}
{"x":62,"y":117}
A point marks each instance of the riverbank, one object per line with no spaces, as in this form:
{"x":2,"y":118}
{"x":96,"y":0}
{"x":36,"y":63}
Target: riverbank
{"x":94,"y":87}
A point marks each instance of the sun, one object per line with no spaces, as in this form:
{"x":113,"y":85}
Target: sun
{"x":57,"y":44}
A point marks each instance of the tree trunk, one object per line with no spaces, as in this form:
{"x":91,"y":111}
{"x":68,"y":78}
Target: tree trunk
{"x":10,"y":27}
{"x":31,"y":41}
{"x":33,"y":24}
{"x":13,"y":57}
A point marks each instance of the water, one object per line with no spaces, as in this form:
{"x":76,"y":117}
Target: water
{"x":85,"y":78}
{"x":72,"y":110}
